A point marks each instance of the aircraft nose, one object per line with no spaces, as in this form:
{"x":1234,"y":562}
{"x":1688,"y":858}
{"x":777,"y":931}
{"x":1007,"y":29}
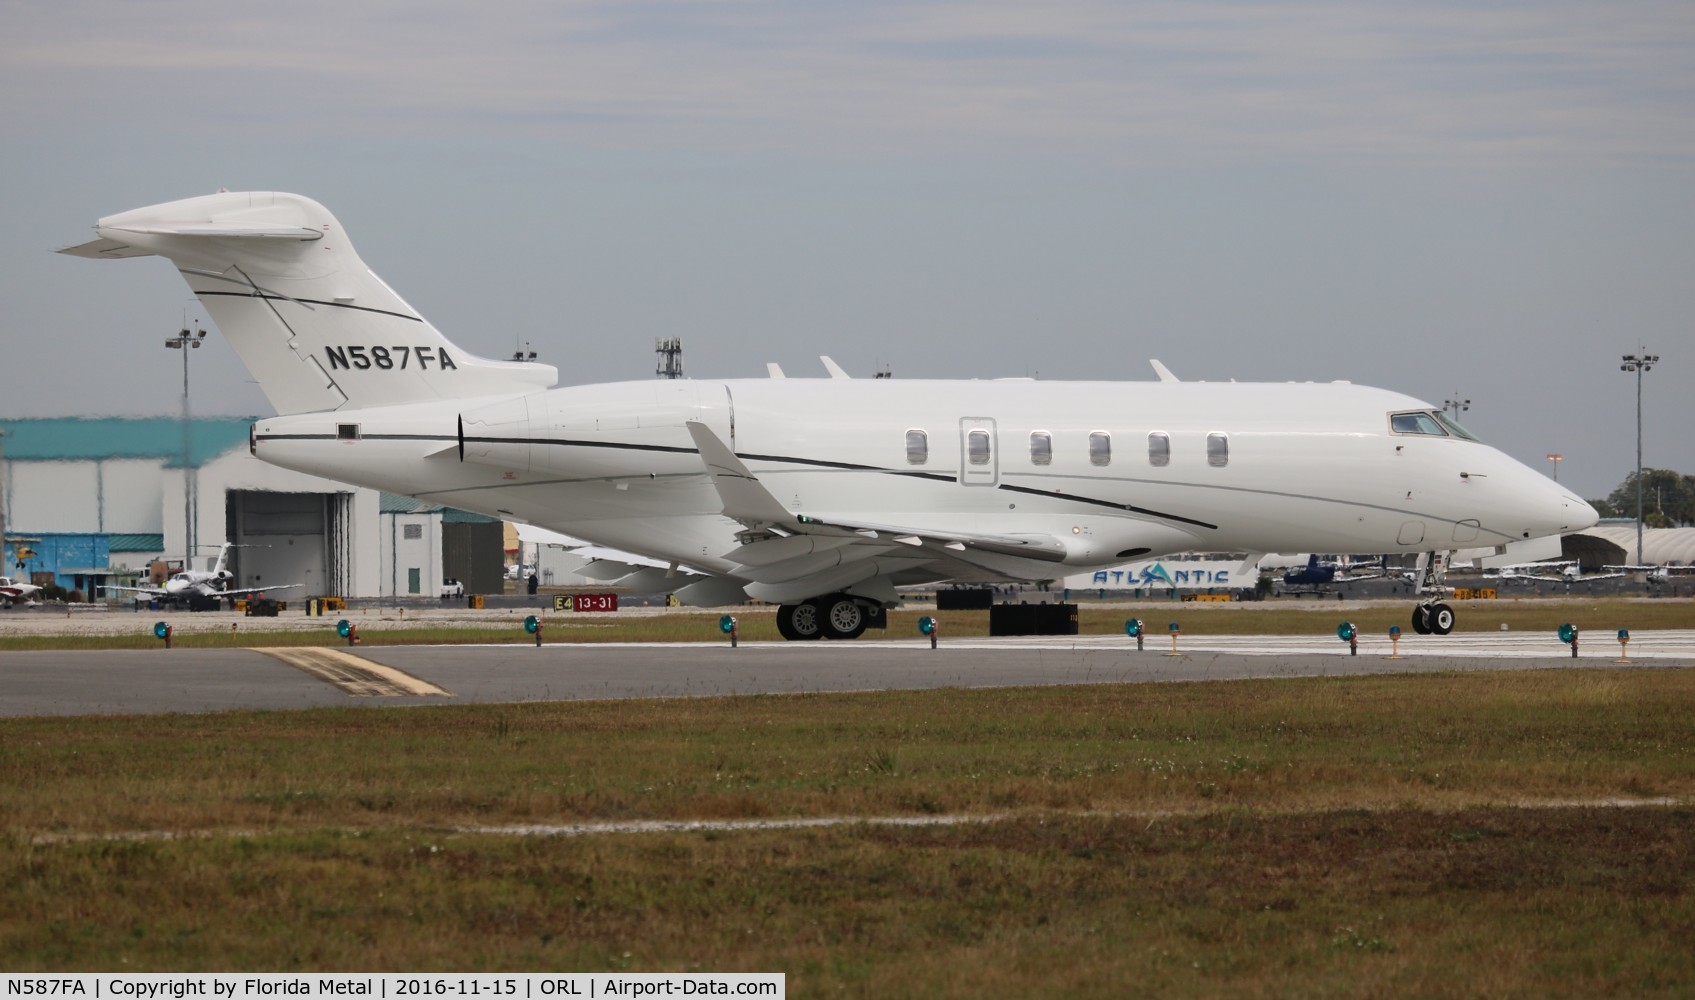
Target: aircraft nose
{"x":1565,"y":512}
{"x":1582,"y":513}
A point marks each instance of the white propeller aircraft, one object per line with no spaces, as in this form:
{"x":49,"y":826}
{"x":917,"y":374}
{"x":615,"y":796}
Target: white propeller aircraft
{"x":1562,"y":571}
{"x":200,"y":588}
{"x":16,"y":592}
{"x":824,"y":495}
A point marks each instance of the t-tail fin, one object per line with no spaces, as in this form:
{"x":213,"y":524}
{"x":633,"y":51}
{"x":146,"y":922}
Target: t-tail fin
{"x":315,"y":327}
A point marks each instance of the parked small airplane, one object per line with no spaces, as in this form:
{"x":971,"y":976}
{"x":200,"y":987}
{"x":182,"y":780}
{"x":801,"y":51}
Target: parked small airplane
{"x":823,"y":496}
{"x":1561,"y":571}
{"x":1318,"y":574}
{"x":15,"y":592}
{"x":202,"y":589}
{"x":1660,"y":571}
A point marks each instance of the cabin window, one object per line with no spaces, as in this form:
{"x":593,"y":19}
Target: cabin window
{"x":347,"y":432}
{"x":917,"y":447}
{"x":1100,"y":448}
{"x":1416,"y":423}
{"x":1218,"y":450}
{"x":1159,"y":448}
{"x":1041,"y":448}
{"x":977,"y":447}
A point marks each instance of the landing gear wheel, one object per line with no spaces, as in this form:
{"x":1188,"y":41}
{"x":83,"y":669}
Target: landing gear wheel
{"x":1441,"y":619}
{"x":800,"y":622}
{"x":1420,"y":621}
{"x":844,"y":617}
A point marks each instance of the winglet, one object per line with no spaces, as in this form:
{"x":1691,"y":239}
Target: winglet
{"x":745,"y":499}
{"x":1163,"y":372}
{"x":834,"y":369}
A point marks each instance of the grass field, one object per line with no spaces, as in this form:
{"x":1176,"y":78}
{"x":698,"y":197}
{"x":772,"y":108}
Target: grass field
{"x":1368,"y":836}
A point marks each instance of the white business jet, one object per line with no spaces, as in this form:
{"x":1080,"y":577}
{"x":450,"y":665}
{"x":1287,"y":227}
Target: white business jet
{"x":824,"y":495}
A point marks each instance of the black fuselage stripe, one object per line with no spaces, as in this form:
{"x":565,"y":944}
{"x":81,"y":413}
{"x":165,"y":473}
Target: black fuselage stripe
{"x":786,"y":459}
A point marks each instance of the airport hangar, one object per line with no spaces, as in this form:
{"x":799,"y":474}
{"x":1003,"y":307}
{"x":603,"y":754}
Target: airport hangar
{"x":95,"y":501}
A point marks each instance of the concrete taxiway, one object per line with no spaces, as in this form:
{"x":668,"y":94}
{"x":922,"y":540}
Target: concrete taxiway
{"x":203,"y":680}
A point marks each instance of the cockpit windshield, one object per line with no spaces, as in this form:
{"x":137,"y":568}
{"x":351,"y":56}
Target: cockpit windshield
{"x":1430,"y":423}
{"x":1453,"y":426}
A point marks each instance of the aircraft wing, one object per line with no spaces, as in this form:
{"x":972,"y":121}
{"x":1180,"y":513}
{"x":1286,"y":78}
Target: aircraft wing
{"x":149,"y":591}
{"x":803,"y":555}
{"x":246,"y":591}
{"x":746,"y":499}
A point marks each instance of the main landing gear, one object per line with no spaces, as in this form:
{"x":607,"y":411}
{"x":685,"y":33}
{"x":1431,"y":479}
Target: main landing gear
{"x":1432,"y":617}
{"x":833,"y":616}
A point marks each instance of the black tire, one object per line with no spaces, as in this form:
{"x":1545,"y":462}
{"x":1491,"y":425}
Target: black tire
{"x":1421,"y":619}
{"x":800,"y":622}
{"x":1441,"y":619}
{"x":842,"y":617}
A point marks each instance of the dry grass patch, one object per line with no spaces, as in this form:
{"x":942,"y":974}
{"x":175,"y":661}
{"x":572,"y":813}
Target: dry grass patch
{"x":1315,"y":837}
{"x":1497,"y":902}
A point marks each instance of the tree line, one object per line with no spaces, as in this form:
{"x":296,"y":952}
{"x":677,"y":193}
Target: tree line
{"x":1668,"y":499}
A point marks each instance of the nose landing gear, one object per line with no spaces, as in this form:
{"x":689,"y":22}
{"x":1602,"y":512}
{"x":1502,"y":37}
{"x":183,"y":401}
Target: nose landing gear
{"x":1432,"y":617}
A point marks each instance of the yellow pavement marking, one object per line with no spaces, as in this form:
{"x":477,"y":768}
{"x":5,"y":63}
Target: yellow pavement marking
{"x":354,"y":674}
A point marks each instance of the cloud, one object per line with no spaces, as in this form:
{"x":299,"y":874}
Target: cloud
{"x":1386,"y":81}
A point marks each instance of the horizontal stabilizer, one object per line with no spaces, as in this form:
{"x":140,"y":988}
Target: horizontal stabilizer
{"x":102,"y":249}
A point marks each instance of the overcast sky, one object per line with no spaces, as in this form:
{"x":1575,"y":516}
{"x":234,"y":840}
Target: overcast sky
{"x":1488,"y":201}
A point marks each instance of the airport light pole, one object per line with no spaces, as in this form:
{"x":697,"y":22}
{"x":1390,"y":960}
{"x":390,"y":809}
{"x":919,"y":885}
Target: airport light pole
{"x":1639,"y":363}
{"x":1456,"y":406}
{"x":1556,"y":460}
{"x":184,"y":341}
{"x":3,"y":570}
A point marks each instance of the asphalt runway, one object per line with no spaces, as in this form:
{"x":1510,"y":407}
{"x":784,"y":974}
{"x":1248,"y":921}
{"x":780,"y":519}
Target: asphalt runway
{"x":209,"y":680}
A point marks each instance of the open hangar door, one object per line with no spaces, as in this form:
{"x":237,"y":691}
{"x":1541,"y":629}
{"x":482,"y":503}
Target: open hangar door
{"x":303,"y":538}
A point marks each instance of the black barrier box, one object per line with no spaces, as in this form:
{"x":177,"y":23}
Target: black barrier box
{"x":975,"y":599}
{"x":1033,"y":619}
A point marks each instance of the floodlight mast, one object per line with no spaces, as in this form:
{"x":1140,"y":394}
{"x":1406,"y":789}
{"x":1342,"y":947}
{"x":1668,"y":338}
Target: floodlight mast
{"x":1639,"y":363}
{"x":184,"y":341}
